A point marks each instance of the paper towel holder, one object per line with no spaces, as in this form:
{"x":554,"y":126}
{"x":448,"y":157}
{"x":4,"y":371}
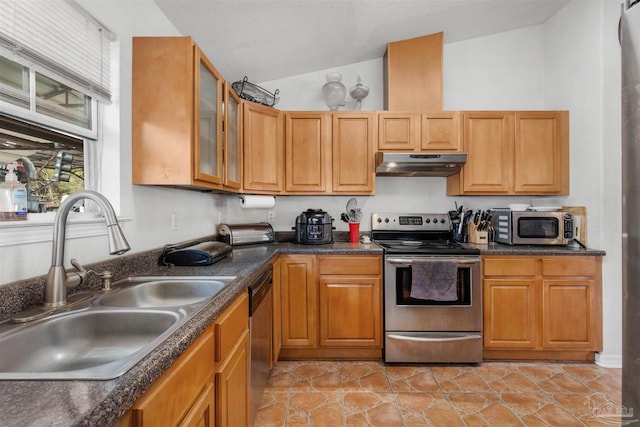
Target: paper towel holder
{"x":251,"y":201}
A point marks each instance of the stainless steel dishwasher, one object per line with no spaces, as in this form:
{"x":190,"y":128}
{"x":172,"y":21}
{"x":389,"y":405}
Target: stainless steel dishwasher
{"x":261,"y":326}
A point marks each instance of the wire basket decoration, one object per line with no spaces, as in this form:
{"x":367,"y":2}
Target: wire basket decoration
{"x":254,"y":93}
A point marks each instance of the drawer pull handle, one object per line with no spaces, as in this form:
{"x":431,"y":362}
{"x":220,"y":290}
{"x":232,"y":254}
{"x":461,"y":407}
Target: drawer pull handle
{"x":427,"y":339}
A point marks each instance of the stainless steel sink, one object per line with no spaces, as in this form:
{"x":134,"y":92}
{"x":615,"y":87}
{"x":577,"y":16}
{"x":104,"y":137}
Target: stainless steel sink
{"x":161,"y":291}
{"x":92,"y":344}
{"x":105,"y":338}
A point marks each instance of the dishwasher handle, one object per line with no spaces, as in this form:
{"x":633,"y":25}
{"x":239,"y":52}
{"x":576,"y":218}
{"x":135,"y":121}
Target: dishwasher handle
{"x":259,"y":290}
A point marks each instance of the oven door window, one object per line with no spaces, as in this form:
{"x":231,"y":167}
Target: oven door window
{"x":403,"y":289}
{"x":538,"y":228}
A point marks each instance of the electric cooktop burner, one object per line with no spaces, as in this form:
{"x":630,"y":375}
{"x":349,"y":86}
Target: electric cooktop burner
{"x":425,"y":233}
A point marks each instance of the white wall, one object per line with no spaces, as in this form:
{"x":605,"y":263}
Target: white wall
{"x":582,"y":64}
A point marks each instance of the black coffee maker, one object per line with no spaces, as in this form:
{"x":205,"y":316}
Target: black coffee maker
{"x":314,"y":227}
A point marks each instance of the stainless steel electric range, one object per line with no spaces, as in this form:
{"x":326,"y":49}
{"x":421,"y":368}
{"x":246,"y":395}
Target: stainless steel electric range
{"x":432,"y":290}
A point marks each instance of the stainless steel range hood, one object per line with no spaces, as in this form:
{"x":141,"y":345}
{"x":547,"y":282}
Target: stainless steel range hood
{"x":419,"y":164}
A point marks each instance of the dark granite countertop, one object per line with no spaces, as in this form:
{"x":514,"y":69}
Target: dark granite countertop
{"x":102,"y":403}
{"x":542,"y":250}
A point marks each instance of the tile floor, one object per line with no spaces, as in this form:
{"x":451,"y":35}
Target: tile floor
{"x":322,"y":393}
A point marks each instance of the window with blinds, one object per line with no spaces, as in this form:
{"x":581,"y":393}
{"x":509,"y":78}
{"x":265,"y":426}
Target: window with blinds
{"x":59,"y":37}
{"x":54,"y":73}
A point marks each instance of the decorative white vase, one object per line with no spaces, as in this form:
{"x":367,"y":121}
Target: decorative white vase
{"x":333,"y":91}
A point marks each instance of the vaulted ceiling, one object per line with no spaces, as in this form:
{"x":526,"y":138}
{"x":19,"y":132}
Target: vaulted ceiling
{"x":274,"y":39}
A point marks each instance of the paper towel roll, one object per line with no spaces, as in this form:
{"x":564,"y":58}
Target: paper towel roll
{"x":257,"y":202}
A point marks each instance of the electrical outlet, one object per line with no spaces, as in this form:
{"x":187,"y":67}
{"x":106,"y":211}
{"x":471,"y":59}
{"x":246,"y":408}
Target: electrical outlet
{"x":271,"y":215}
{"x":174,"y":221}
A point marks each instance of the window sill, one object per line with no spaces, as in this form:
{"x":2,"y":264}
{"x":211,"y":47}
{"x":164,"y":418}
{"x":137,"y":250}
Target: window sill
{"x":38,"y":228}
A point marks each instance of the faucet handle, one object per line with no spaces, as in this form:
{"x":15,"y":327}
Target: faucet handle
{"x":78,"y":266}
{"x":75,"y":278}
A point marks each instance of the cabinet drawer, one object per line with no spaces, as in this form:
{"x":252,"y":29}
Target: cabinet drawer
{"x":173,"y":395}
{"x":230,"y":326}
{"x":517,"y":266}
{"x":350,"y":264}
{"x":569,"y":266}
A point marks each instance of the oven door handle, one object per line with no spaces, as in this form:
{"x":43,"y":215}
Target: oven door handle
{"x":426,"y":339}
{"x":400,"y":261}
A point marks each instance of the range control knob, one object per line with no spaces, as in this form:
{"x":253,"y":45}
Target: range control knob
{"x":379,"y":220}
{"x":427,"y":220}
{"x":442,"y":221}
{"x":386,"y":220}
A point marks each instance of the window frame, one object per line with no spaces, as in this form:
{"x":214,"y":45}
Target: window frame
{"x":30,"y":115}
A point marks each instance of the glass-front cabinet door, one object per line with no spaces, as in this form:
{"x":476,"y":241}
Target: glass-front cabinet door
{"x":232,"y":138}
{"x":208,"y":121}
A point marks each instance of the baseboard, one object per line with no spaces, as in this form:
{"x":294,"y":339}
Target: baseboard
{"x":609,"y":361}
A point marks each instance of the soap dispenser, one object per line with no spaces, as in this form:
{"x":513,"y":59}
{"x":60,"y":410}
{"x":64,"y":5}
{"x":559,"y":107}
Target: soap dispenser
{"x":13,"y":197}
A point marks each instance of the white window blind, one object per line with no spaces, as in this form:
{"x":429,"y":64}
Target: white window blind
{"x":59,"y":36}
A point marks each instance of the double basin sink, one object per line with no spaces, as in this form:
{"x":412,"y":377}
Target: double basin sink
{"x":107,"y":336}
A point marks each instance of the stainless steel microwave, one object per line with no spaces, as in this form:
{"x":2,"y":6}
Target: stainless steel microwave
{"x":532,"y":227}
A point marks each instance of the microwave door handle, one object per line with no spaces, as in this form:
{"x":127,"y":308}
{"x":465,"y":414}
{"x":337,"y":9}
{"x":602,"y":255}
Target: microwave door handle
{"x":433,"y":339}
{"x":407,"y":262}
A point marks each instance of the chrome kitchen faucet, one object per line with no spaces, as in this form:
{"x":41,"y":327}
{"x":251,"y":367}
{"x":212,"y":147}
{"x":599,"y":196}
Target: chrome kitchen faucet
{"x":58,"y":280}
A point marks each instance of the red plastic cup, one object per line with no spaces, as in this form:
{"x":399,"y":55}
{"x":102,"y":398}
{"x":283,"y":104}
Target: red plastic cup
{"x":354,"y":232}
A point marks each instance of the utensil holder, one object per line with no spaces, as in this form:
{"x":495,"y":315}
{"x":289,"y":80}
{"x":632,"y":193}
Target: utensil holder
{"x":476,"y":236}
{"x":354,"y":232}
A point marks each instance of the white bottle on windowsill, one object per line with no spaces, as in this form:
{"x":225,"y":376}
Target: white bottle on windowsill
{"x":13,"y":197}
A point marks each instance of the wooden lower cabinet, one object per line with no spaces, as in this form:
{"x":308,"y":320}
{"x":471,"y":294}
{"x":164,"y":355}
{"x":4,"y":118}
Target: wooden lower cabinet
{"x":208,"y":385}
{"x":183,"y":395}
{"x":232,"y":372}
{"x":202,"y":413}
{"x":331,"y":306}
{"x":542,"y":307}
{"x":232,"y":387}
{"x":299,"y":293}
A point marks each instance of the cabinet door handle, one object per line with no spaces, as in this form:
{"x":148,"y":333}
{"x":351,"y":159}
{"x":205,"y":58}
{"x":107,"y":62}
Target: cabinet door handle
{"x":433,"y":339}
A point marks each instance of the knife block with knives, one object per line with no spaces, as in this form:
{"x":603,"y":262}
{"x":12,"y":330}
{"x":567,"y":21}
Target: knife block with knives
{"x":477,"y":236}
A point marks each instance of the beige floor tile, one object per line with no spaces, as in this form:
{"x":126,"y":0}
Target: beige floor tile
{"x":464,"y":382}
{"x":325,"y":393}
{"x":468,"y":403}
{"x":556,"y":415}
{"x":497,"y":414}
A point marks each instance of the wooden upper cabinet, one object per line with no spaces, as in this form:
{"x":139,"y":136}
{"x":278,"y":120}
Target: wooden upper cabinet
{"x":352,"y":151}
{"x":422,"y":132}
{"x":514,"y":153}
{"x":208,"y":121}
{"x":328,"y":152}
{"x":398,"y":131}
{"x":413,"y":74}
{"x":488,"y":142}
{"x":308,"y":152}
{"x":263,"y":149}
{"x":176,"y":120}
{"x":541,"y":152}
{"x":440,"y":131}
{"x":232,"y":138}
